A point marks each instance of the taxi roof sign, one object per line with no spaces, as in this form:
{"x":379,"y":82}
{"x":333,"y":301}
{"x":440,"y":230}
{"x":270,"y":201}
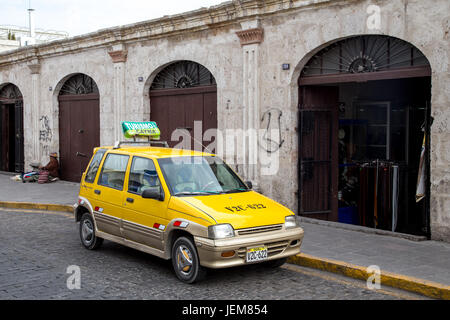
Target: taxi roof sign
{"x":132,"y":129}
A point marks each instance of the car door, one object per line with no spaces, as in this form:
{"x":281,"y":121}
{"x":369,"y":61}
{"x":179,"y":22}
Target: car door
{"x":144,"y":220}
{"x":108,"y":193}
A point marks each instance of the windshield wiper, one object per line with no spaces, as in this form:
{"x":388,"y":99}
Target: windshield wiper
{"x":190,"y":193}
{"x":236,"y":190}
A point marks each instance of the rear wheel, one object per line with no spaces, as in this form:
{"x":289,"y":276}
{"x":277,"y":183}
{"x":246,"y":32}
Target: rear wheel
{"x":185,"y":261}
{"x":87,"y":233}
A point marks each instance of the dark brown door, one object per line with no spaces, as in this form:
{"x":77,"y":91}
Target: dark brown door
{"x":79,"y":133}
{"x":318,"y":152}
{"x":175,"y":109}
{"x":18,"y":137}
{"x":5,"y":136}
{"x":11,"y":140}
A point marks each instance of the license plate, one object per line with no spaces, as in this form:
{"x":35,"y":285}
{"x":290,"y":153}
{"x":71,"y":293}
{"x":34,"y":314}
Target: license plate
{"x":256,"y":254}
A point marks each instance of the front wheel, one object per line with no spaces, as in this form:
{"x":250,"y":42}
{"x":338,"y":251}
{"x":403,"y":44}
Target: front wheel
{"x":185,"y":261}
{"x":87,"y":233}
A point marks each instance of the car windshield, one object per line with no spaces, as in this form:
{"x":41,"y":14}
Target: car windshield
{"x":200,"y":176}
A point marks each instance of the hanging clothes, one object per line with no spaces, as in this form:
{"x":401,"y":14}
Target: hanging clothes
{"x":420,"y":189}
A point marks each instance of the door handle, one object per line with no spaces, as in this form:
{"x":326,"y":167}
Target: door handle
{"x":131,"y":200}
{"x":97,"y":191}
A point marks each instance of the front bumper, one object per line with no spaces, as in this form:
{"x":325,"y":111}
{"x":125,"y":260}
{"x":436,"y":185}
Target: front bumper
{"x":280,"y":244}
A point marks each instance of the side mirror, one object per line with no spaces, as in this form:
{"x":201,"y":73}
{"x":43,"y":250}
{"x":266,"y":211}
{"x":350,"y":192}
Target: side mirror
{"x":153,"y":193}
{"x":249,"y":184}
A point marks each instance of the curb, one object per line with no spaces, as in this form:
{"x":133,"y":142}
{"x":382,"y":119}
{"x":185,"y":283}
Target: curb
{"x":416,"y":285}
{"x":36,"y":206}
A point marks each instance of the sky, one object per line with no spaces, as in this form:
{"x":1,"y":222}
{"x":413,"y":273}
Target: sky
{"x":82,"y":16}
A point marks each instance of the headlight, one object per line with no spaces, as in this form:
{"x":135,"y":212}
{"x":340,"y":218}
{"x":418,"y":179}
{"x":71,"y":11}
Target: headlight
{"x":220,"y":231}
{"x":291,"y":222}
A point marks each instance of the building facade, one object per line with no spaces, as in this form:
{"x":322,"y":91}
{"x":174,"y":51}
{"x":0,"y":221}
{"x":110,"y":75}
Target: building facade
{"x":311,"y":77}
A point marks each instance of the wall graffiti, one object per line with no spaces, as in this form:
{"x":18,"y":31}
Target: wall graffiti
{"x":45,"y":132}
{"x":273,"y":118}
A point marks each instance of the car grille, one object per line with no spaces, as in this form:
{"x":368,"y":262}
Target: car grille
{"x":253,"y":230}
{"x":273,"y":248}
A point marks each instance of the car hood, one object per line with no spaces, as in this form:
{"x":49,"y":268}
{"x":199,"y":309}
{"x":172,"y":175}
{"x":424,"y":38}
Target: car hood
{"x":241,"y":210}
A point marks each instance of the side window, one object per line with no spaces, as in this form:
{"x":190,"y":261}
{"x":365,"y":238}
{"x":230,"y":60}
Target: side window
{"x":93,"y":167}
{"x":113,"y":171}
{"x":142,"y":175}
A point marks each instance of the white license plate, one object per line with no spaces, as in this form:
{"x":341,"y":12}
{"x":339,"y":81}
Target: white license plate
{"x":256,"y":254}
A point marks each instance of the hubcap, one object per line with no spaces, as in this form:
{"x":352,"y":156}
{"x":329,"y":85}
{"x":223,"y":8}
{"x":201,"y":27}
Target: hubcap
{"x":87,"y":232}
{"x":184,"y":260}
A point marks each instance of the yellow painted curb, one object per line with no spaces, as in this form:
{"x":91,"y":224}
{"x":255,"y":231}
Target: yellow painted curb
{"x":36,"y":206}
{"x":424,"y":287}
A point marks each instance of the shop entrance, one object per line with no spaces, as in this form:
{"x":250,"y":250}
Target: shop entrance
{"x":11,"y":129}
{"x":362,"y":130}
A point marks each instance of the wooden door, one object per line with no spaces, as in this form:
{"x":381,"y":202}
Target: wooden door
{"x":175,"y":109}
{"x":5,"y":134}
{"x":79,"y":133}
{"x":18,"y":137}
{"x":11,"y":140}
{"x":318,"y":152}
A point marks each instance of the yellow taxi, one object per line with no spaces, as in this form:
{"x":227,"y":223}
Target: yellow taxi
{"x":182,"y":205}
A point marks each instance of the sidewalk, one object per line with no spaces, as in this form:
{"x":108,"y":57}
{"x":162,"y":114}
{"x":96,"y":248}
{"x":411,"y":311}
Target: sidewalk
{"x":427,"y":260}
{"x":59,"y":192}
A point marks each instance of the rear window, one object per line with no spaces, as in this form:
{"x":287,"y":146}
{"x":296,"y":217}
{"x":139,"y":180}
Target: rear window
{"x":95,"y":164}
{"x":113,"y":171}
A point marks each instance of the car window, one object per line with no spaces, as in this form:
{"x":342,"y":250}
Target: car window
{"x":95,"y":164}
{"x":143,"y":175}
{"x":113,"y":171}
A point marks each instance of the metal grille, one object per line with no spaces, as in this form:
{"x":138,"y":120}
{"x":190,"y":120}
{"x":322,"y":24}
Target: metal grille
{"x":242,"y":232}
{"x":183,"y":74}
{"x":362,"y":54}
{"x":79,"y":84}
{"x":273,"y":248}
{"x":10,"y":91}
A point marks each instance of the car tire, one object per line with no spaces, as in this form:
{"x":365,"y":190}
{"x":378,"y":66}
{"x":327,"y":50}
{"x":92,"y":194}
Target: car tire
{"x":275,"y":263}
{"x":185,"y":261}
{"x":87,"y":233}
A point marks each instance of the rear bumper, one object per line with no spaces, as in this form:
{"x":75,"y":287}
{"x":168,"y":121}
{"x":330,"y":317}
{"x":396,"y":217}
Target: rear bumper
{"x":281,"y":244}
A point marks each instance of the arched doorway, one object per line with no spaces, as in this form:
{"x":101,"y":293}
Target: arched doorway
{"x":181,"y":95}
{"x":11,"y":128}
{"x":364,"y":107}
{"x":79,"y":125}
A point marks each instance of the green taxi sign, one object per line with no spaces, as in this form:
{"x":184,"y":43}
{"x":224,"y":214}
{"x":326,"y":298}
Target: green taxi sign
{"x":133,"y":129}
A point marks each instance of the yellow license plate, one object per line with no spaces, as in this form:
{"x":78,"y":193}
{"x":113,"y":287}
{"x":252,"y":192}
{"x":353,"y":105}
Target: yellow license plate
{"x":256,"y":254}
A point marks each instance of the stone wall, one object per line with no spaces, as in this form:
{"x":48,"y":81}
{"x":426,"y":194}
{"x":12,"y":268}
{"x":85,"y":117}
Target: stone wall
{"x":247,"y":69}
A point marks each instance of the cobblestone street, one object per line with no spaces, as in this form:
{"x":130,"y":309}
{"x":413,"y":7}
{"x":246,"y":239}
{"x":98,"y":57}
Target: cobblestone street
{"x":37,"y":248}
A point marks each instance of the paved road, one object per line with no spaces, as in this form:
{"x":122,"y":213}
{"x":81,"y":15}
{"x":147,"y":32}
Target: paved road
{"x":37,"y":248}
